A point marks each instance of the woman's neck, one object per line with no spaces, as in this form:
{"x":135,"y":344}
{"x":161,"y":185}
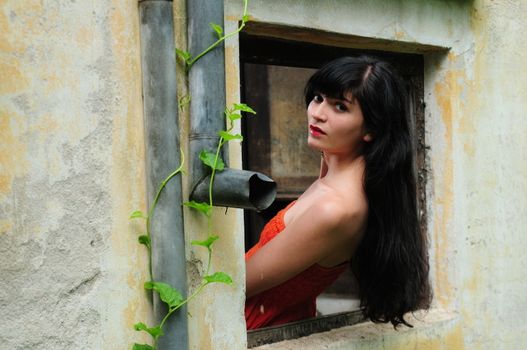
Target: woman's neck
{"x":342,"y":166}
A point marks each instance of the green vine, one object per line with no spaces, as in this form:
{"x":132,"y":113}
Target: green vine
{"x":146,"y":239}
{"x":168,"y":294}
{"x":187,"y":57}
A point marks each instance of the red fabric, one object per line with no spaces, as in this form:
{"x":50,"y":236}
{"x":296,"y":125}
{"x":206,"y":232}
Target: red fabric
{"x":294,"y":299}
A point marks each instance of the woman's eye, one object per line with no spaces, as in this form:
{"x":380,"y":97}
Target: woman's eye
{"x":318,"y":98}
{"x":341,"y":107}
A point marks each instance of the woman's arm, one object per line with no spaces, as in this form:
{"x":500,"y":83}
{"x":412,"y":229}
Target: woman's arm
{"x":314,"y":235}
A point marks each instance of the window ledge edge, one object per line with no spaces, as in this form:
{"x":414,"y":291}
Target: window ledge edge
{"x":366,"y":332}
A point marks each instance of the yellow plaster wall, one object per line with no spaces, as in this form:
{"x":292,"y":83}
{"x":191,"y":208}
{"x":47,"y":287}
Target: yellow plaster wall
{"x":71,"y":171}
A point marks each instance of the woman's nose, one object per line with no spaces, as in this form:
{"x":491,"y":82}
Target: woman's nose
{"x":319,"y":110}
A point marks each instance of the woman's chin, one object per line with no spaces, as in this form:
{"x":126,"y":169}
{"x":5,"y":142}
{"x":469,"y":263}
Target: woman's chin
{"x":314,"y":145}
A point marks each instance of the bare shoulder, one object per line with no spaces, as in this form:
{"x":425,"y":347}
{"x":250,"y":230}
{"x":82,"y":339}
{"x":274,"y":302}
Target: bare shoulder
{"x":339,"y":213}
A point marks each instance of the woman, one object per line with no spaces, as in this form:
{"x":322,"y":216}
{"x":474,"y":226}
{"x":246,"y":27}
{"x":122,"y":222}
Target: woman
{"x":362,"y":208}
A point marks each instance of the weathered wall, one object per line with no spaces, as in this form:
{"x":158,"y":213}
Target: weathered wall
{"x":71,"y":171}
{"x":475,"y":96}
{"x":490,"y":173}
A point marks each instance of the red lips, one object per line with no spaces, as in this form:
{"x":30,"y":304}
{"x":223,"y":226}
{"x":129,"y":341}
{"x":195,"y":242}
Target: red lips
{"x":315,"y":130}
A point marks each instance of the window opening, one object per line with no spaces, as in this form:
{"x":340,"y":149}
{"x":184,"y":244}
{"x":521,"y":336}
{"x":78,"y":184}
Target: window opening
{"x":273,"y":75}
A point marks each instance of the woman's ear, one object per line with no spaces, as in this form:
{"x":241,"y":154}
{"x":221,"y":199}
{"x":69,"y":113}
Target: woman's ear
{"x":367,"y":138}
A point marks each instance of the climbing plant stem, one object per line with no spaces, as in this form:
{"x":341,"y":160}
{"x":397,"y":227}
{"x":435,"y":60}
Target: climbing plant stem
{"x":153,"y":206}
{"x":191,"y":62}
{"x":192,"y":296}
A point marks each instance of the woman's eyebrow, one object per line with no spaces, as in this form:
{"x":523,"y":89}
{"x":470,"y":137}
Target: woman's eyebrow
{"x":339,"y":99}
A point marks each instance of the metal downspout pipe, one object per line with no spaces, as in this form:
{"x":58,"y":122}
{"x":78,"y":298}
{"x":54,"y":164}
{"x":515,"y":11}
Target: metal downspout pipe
{"x":232,"y":187}
{"x":235,"y":188}
{"x":162,"y":158}
{"x":206,"y":82}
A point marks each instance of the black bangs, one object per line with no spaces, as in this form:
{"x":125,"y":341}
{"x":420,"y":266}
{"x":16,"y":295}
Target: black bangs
{"x":335,"y":79}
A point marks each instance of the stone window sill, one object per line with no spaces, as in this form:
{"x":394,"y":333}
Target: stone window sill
{"x":358,"y":335}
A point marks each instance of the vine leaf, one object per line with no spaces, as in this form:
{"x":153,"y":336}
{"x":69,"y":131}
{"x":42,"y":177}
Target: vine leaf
{"x":154,"y":331}
{"x":142,"y":347}
{"x":229,"y":137}
{"x":167,"y":293}
{"x":219,"y":277}
{"x":246,"y":18}
{"x":203,"y":207}
{"x":208,"y":159}
{"x":144,"y":239}
{"x":184,"y":55}
{"x":244,"y":108}
{"x":233,"y":116}
{"x":238,"y":107}
{"x":206,"y":243}
{"x":183,"y":102}
{"x":137,"y":214}
{"x":217,"y":29}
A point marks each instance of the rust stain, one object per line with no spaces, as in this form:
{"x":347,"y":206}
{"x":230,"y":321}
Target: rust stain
{"x":52,"y":81}
{"x":84,"y":36}
{"x":449,"y":97}
{"x":232,"y":81}
{"x":445,"y":91}
{"x":465,"y":127}
{"x":473,"y":284}
{"x":399,"y":34}
{"x":5,"y":34}
{"x":227,"y":227}
{"x":455,"y":339}
{"x":236,"y":18}
{"x":13,"y":160}
{"x":127,"y":156}
{"x":5,"y":182}
{"x":33,"y":14}
{"x":421,"y":341}
{"x":127,"y":132}
{"x":469,"y":149}
{"x":46,"y":124}
{"x":451,"y":340}
{"x":132,"y":314}
{"x":13,"y":80}
{"x":205,"y":335}
{"x":233,"y":93}
{"x":132,"y":281}
{"x":5,"y":225}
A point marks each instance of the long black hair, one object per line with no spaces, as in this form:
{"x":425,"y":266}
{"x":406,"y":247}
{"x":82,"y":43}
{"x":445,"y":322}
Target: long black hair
{"x":391,"y":262}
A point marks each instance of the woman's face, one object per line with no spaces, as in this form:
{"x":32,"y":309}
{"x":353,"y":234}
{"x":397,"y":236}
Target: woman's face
{"x":335,"y":125}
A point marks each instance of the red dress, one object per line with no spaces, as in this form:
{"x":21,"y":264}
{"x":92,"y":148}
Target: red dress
{"x":293,"y":300}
